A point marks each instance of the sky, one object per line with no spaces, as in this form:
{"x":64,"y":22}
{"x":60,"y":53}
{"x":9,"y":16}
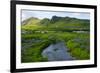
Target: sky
{"x":48,"y":14}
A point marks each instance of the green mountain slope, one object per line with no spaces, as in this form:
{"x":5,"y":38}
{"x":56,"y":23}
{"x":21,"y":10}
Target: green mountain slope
{"x":30,"y":23}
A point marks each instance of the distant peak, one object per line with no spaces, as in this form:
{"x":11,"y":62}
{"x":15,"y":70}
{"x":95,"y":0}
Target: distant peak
{"x":53,"y":17}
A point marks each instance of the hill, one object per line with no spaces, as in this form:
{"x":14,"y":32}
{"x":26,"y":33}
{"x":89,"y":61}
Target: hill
{"x":57,"y":23}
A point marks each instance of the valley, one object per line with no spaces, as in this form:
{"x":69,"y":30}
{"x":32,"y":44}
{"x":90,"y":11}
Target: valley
{"x":55,"y":39}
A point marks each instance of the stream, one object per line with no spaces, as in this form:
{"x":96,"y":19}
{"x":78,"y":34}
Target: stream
{"x":57,"y":52}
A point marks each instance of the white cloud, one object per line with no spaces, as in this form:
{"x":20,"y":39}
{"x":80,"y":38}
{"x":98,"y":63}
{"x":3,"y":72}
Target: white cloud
{"x":76,"y":14}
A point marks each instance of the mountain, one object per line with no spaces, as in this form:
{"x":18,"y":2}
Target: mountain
{"x":57,"y":23}
{"x":55,"y":19}
{"x":31,"y":20}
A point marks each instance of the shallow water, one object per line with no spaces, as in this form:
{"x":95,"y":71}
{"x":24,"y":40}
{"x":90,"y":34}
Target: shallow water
{"x":57,"y":52}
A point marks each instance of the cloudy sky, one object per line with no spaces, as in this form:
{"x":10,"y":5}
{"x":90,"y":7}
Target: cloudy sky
{"x":48,"y":14}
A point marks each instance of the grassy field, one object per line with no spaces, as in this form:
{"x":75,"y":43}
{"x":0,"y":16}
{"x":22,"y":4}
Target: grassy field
{"x":77,"y":43}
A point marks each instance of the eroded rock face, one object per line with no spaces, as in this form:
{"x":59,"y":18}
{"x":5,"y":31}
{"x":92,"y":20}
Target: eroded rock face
{"x":57,"y":52}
